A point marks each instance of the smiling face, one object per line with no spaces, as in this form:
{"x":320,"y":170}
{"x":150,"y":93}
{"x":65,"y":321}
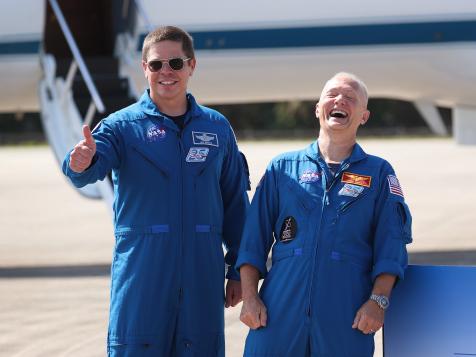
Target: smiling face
{"x":167,"y":86}
{"x":342,"y":107}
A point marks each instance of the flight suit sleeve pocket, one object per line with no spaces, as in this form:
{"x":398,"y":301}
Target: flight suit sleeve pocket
{"x":405,"y":220}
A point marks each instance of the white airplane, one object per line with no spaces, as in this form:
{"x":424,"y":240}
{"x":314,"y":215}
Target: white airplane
{"x":86,"y":56}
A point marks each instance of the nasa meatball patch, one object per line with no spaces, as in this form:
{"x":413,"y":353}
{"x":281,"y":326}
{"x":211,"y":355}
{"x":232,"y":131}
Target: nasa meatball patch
{"x":288,"y":230}
{"x":155,"y":133}
{"x":309,"y":176}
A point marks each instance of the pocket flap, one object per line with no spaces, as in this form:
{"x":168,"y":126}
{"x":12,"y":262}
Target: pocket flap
{"x":153,"y":158}
{"x":307,"y":200}
{"x":157,"y":228}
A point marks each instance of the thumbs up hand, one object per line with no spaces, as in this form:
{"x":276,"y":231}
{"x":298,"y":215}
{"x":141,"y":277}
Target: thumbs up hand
{"x":83,"y":152}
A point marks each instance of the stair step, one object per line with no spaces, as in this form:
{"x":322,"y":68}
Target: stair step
{"x":112,"y":105}
{"x":96,"y":65}
{"x":106,"y":85}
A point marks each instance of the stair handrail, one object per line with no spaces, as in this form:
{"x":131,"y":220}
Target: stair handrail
{"x":79,"y":60}
{"x":143,"y":14}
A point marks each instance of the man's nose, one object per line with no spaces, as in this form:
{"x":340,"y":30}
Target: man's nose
{"x":339,"y":98}
{"x":166,"y":67}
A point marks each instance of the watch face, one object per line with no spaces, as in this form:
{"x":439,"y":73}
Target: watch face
{"x":381,"y":300}
{"x":384,"y":302}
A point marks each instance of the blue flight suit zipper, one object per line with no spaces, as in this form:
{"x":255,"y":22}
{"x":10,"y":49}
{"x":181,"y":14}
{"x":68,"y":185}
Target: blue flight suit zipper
{"x":325,"y":202}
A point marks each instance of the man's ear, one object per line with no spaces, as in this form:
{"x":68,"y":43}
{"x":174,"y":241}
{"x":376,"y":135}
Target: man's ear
{"x":144,"y":68}
{"x":192,"y":64}
{"x":365,"y":117}
{"x":317,"y":109}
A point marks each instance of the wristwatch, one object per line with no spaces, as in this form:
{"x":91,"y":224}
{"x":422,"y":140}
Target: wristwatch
{"x":381,"y":300}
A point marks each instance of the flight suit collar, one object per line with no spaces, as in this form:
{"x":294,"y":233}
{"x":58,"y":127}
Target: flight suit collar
{"x":312,"y":151}
{"x":149,"y":108}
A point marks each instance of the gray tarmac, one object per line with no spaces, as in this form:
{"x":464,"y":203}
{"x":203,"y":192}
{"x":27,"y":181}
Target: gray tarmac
{"x":56,"y":246}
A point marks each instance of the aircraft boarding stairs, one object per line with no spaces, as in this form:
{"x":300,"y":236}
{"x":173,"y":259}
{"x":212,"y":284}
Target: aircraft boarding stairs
{"x":76,"y":90}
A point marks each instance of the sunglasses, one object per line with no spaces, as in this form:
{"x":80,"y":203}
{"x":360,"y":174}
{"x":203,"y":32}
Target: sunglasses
{"x":175,"y":63}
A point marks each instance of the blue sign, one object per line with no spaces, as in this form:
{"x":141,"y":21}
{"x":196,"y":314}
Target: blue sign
{"x":432,"y":313}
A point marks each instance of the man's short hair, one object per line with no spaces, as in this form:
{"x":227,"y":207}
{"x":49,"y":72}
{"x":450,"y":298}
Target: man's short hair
{"x":355,"y":79}
{"x":168,"y":33}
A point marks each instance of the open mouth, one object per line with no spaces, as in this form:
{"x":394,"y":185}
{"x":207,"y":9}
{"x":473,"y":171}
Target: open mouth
{"x":167,"y":83}
{"x":340,"y":114}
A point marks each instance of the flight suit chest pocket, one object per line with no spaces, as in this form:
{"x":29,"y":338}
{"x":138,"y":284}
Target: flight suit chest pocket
{"x":143,"y":153}
{"x":346,"y":204}
{"x":352,"y":229}
{"x":305,"y":199}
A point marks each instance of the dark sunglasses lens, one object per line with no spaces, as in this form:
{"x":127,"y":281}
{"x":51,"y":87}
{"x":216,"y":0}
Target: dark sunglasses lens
{"x":176,"y":64}
{"x":155,"y":66}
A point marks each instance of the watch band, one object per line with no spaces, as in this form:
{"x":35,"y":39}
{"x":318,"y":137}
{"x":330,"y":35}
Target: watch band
{"x":381,"y":300}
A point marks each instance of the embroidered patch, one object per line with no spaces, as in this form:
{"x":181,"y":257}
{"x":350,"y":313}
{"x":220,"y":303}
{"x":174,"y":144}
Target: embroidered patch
{"x":197,"y":154}
{"x":200,"y":138}
{"x":155,"y":133}
{"x":309,"y":176}
{"x":394,"y":185}
{"x":350,"y":190}
{"x":355,"y":179}
{"x":288,"y":230}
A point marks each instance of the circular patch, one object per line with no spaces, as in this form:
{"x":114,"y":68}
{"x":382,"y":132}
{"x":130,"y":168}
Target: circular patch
{"x":155,"y":133}
{"x":288,"y":230}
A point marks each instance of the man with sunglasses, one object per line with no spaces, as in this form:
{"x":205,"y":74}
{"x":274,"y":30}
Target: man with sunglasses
{"x":338,"y":225}
{"x":179,"y":193}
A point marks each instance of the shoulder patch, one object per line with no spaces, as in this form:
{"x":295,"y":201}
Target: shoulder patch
{"x":394,"y":185}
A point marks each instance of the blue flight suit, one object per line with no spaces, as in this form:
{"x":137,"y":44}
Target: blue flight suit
{"x":332,"y":236}
{"x":177,"y":196}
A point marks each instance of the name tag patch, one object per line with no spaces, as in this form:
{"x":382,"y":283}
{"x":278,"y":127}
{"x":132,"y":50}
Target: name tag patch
{"x":155,"y":133}
{"x":350,"y":190}
{"x":197,"y":154}
{"x":309,"y":176}
{"x":355,"y":179}
{"x":200,"y":138}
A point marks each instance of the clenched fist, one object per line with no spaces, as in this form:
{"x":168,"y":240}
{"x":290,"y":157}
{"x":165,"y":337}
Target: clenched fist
{"x":83,"y":152}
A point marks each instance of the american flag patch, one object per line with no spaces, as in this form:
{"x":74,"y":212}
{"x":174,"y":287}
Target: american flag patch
{"x":394,"y":185}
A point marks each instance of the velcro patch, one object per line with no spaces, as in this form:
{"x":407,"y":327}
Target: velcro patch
{"x":350,"y":190}
{"x":394,"y":185}
{"x":355,"y":179}
{"x":288,"y":230}
{"x":201,"y":138}
{"x":155,"y":133}
{"x":309,"y":176}
{"x":196,"y":154}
